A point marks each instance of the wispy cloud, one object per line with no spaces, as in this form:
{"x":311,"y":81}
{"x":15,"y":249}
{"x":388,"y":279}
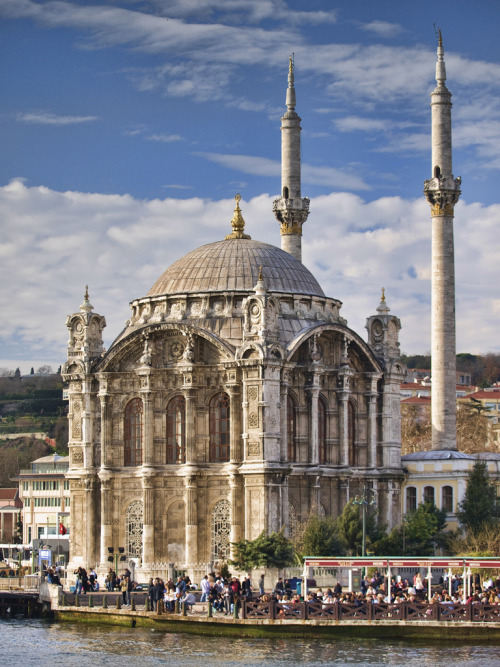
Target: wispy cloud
{"x":383,"y":28}
{"x":329,"y":176}
{"x":47,"y":118}
{"x":165,"y":138}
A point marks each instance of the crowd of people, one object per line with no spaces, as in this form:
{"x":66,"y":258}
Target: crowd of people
{"x":224,"y":593}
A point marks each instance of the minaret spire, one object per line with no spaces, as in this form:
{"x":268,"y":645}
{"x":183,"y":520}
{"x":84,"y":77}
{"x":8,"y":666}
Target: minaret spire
{"x":442,"y":192}
{"x":291,"y":209}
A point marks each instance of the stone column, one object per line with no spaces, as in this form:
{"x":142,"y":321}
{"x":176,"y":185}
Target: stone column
{"x":148,"y":450}
{"x":106,"y":459}
{"x":284,"y":420}
{"x":91,"y":523}
{"x":235,"y":515}
{"x":148,"y":520}
{"x":106,"y":516}
{"x":313,"y":392}
{"x":190,"y":396}
{"x":371,"y":431}
{"x":235,"y":423}
{"x":191,"y":504}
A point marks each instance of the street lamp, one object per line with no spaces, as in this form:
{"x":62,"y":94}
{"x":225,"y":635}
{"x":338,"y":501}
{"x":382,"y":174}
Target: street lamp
{"x":364,"y":503}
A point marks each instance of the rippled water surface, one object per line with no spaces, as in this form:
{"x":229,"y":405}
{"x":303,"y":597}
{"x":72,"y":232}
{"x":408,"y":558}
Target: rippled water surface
{"x":33,"y":642}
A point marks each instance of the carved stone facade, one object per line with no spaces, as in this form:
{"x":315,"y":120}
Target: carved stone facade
{"x":235,"y":401}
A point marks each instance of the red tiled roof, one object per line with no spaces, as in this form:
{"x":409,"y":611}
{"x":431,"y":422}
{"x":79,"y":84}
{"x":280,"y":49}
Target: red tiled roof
{"x":422,"y":400}
{"x":9,"y":494}
{"x":483,"y":394}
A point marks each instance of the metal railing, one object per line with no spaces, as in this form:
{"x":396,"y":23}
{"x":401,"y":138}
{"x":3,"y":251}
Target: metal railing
{"x":368,"y":611}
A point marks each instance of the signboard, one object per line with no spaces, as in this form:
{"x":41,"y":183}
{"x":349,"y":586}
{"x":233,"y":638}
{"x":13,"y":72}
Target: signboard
{"x":44,"y":555}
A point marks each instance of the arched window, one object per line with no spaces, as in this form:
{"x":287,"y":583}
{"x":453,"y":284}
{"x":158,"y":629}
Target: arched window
{"x":291,"y":429}
{"x":221,"y":530}
{"x":176,"y":430}
{"x":429,"y":494}
{"x":447,"y":499}
{"x":322,"y":431}
{"x":411,"y":499}
{"x":134,"y":519}
{"x":285,"y":193}
{"x":133,"y":433}
{"x":351,"y":434}
{"x":219,"y":428}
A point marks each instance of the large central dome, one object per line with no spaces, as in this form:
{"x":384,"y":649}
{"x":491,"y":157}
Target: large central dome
{"x":233,"y":265}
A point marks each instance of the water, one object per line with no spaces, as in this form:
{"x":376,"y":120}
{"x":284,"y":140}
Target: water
{"x":34,"y":642}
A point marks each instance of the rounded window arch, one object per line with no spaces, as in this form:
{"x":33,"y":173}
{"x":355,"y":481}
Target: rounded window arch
{"x":220,"y":425}
{"x":221,"y":530}
{"x":323,"y":458}
{"x":291,"y":430}
{"x":133,"y":433}
{"x":447,"y":499}
{"x":176,"y":430}
{"x":351,"y":434}
{"x":411,"y":499}
{"x":429,"y":495}
{"x":134,"y":521}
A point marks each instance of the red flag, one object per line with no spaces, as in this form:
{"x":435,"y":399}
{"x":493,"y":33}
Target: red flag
{"x":62,"y":529}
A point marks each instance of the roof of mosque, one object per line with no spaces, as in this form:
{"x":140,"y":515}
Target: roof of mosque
{"x":233,"y":265}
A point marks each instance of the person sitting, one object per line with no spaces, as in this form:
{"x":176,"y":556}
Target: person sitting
{"x":188,"y":600}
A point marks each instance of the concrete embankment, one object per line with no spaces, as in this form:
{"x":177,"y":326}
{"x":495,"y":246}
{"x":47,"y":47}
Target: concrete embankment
{"x":230,"y":627}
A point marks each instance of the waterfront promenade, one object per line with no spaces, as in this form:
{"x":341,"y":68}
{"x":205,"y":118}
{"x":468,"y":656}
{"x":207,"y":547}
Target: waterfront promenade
{"x":303,"y":619}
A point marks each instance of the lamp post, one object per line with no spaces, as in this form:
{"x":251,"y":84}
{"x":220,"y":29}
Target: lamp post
{"x":364,"y":503}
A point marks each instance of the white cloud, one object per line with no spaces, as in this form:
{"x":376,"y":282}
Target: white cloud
{"x":47,"y":118}
{"x":248,"y":164}
{"x":54,"y":243}
{"x":165,"y":138}
{"x":383,"y":28}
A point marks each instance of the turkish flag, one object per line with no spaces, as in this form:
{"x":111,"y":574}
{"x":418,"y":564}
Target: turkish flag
{"x":62,"y":529}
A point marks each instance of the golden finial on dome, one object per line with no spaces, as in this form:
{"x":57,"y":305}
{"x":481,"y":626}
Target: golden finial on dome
{"x":383,"y":294}
{"x":237,"y":222}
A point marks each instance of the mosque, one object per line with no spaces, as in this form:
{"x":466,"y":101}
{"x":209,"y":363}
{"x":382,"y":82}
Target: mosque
{"x":236,"y":400}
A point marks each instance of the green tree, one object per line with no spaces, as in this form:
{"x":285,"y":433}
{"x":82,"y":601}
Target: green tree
{"x":350,"y":529}
{"x":420,"y":533}
{"x":274,"y":550}
{"x":478,"y":507}
{"x":320,"y":538}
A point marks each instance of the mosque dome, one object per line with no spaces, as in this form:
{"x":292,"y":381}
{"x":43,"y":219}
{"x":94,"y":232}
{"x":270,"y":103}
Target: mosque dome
{"x":233,"y":265}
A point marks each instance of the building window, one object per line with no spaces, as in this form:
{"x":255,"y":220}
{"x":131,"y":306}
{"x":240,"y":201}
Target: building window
{"x":66,"y":484}
{"x":351,"y":434}
{"x":322,"y":431}
{"x":219,"y":428}
{"x":133,"y":433}
{"x":291,"y":430}
{"x":429,"y":494}
{"x":133,"y":529}
{"x":411,"y":499}
{"x":176,"y":430}
{"x":26,"y":486}
{"x":221,"y":530}
{"x":447,"y":499}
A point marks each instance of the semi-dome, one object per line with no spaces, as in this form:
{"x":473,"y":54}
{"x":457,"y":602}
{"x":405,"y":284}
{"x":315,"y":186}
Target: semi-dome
{"x":233,"y":265}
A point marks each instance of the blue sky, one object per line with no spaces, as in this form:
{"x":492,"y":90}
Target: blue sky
{"x":128,"y":127}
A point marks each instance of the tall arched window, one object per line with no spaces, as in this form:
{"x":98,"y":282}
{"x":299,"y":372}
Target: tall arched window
{"x":221,"y":530}
{"x":351,"y":434}
{"x":291,"y":430}
{"x":411,"y":499}
{"x":219,"y":428}
{"x":176,"y":430}
{"x":133,"y":433}
{"x":134,"y":520}
{"x":447,"y":499}
{"x":429,"y":494}
{"x":322,"y":431}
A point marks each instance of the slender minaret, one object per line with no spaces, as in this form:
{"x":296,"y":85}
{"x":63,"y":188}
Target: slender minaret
{"x":442,"y":192}
{"x":291,"y":210}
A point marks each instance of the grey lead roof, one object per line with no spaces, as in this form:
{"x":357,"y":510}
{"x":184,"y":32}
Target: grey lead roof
{"x":233,"y":265}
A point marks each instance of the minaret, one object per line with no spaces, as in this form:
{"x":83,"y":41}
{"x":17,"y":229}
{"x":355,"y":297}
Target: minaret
{"x":442,"y":192}
{"x":291,"y":210}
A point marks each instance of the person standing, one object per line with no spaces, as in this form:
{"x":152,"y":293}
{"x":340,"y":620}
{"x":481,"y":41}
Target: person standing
{"x":205,"y":588}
